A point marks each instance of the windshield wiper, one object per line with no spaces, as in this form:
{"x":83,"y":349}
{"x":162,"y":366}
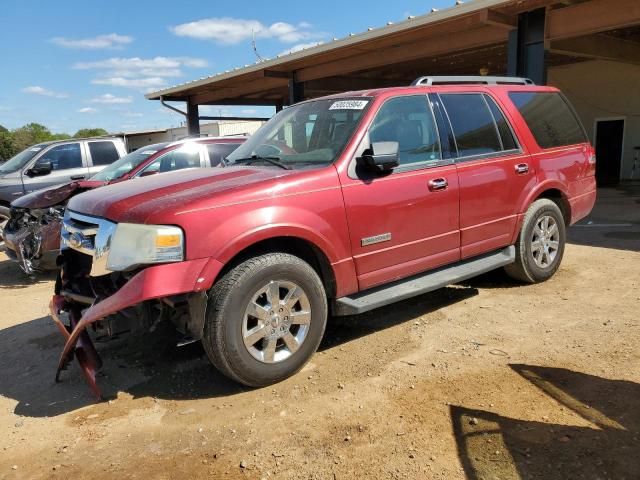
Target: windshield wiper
{"x":257,"y":158}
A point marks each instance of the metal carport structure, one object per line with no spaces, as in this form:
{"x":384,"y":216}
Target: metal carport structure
{"x":496,"y":37}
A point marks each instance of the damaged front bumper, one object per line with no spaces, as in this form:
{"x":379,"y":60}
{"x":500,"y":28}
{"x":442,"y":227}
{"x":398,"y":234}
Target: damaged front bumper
{"x":182,"y":282}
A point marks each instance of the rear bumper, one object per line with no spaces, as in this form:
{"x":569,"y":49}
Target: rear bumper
{"x":581,"y":205}
{"x":151,"y":283}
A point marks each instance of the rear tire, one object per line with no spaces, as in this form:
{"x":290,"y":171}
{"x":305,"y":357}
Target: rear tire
{"x":540,"y":244}
{"x":265,"y":319}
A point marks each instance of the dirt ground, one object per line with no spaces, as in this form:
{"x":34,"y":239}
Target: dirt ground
{"x":485,"y":380}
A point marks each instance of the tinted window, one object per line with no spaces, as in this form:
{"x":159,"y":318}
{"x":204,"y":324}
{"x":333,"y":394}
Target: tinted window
{"x":103,"y":153}
{"x":408,"y":121}
{"x":549,"y":117}
{"x":472,"y":123}
{"x":506,"y":136}
{"x":63,"y":157}
{"x":186,"y":156}
{"x":218,"y":151}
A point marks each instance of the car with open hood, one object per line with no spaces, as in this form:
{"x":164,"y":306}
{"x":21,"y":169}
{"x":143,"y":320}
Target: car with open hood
{"x":32,"y":233}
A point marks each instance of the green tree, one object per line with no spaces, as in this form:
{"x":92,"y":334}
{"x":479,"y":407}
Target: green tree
{"x":90,"y":132}
{"x":30,"y":134}
{"x":3,"y":129}
{"x":7,"y":145}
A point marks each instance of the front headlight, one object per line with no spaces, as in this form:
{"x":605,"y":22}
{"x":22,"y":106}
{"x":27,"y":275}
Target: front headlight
{"x":133,"y":245}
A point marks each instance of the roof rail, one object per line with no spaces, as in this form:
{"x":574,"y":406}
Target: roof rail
{"x":470,"y":80}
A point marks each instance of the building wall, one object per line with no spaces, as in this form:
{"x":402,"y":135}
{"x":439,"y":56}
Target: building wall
{"x":604,"y":89}
{"x":213,"y":129}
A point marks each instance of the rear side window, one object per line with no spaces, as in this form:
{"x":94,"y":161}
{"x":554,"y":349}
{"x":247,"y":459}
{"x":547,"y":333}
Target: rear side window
{"x":549,"y":117}
{"x":103,"y":153}
{"x":474,"y":128}
{"x":187,"y":156}
{"x":218,"y":151}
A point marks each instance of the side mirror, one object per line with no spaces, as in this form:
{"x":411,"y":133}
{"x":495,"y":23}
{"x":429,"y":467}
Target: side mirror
{"x":40,"y":168}
{"x":148,"y":173}
{"x":381,"y":156}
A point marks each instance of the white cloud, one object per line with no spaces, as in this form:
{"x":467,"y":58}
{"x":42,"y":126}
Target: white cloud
{"x":133,"y":114}
{"x":87,"y":110}
{"x":139,"y":83}
{"x":37,"y":90}
{"x":227,"y":30}
{"x":298,"y":47}
{"x":140,"y":73}
{"x":108,"y":98}
{"x":110,"y":41}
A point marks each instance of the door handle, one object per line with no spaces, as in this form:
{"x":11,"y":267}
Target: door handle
{"x":77,"y":177}
{"x":522,"y":168}
{"x":438,"y":184}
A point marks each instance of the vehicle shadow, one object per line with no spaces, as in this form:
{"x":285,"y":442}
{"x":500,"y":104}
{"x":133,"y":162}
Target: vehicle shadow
{"x":614,"y":221}
{"x":12,"y":277}
{"x":491,"y":445}
{"x":151,"y":365}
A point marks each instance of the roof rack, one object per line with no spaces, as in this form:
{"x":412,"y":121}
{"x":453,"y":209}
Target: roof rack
{"x":470,"y":80}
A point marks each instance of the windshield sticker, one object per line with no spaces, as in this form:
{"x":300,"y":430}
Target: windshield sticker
{"x":349,"y":105}
{"x":148,"y":152}
{"x":36,"y":149}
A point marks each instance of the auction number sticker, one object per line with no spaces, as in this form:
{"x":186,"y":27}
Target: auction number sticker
{"x":349,"y":105}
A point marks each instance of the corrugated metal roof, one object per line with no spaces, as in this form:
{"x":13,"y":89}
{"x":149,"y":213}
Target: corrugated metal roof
{"x":460,"y":8}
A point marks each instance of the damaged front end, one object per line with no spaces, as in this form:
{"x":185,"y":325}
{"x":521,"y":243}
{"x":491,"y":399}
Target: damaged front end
{"x":112,"y":303}
{"x":32,"y":237}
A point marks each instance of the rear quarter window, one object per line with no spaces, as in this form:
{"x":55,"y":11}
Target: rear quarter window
{"x":550,"y":118}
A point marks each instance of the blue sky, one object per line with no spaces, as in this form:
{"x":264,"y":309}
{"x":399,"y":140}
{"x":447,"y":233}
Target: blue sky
{"x":71,"y":64}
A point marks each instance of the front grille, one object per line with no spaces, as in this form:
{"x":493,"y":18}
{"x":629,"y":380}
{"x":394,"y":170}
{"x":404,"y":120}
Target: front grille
{"x":90,"y":236}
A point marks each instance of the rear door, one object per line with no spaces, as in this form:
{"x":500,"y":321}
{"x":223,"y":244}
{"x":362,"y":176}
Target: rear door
{"x":68,"y":164}
{"x":101,"y":153}
{"x":493,"y":171}
{"x":406,"y":221}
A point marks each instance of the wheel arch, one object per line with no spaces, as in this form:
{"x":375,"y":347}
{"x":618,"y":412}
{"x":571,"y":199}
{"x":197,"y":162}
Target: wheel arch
{"x":298,"y":246}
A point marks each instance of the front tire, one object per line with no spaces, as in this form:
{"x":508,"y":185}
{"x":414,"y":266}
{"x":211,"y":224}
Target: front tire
{"x":540,"y":244}
{"x":5,"y":214}
{"x":265,"y":319}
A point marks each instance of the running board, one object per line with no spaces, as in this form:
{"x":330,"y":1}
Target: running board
{"x":425,"y":282}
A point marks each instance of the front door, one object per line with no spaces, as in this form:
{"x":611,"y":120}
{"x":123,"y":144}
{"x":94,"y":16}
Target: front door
{"x":406,"y":221}
{"x":609,"y":144}
{"x":67,"y":165}
{"x":494,"y":173}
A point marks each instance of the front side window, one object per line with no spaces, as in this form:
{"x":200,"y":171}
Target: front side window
{"x":63,"y":157}
{"x":549,"y":118}
{"x":186,"y":156}
{"x":409,"y":121}
{"x":310,"y":134}
{"x":473,"y":125}
{"x":103,"y":153}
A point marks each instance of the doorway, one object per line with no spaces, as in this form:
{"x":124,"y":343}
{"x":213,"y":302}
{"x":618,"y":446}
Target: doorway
{"x":609,"y":139}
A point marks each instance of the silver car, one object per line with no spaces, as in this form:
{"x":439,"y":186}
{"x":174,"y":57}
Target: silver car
{"x":52,"y":163}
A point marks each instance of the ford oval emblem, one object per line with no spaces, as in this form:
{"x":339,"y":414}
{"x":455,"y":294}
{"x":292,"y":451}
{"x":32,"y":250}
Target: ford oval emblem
{"x":75,"y":240}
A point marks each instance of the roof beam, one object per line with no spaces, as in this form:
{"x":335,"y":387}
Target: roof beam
{"x":428,"y":47}
{"x":600,"y":47}
{"x":592,"y":17}
{"x":239,"y":91}
{"x":497,"y":19}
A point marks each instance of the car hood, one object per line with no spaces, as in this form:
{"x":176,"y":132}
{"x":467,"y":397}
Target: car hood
{"x":49,"y":197}
{"x":168,"y":194}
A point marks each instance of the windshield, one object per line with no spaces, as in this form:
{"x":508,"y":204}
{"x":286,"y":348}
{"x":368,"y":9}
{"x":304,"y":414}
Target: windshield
{"x":305,"y":135}
{"x":20,"y":160}
{"x":127,"y":163}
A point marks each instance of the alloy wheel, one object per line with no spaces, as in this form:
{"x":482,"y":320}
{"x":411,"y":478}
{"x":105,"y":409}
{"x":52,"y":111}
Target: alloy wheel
{"x":545,"y":241}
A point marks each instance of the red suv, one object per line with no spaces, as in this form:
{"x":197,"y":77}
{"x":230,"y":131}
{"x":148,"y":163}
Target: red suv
{"x":337,"y":205}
